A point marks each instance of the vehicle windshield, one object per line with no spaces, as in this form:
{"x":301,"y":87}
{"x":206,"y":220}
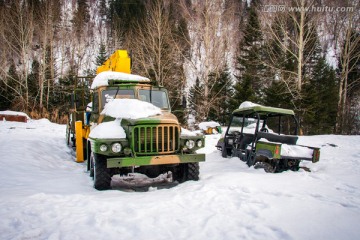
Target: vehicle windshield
{"x":157,"y":97}
{"x":108,"y":95}
{"x":237,"y":122}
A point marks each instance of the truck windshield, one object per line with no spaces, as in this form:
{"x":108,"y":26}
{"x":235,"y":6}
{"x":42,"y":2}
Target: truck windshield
{"x":108,"y":95}
{"x":157,"y":97}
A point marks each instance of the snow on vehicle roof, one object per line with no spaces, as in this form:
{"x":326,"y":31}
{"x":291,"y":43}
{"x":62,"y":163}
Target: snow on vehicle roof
{"x":102,"y":79}
{"x":108,"y":130}
{"x":130,"y":109}
{"x":248,"y":104}
{"x":206,"y":125}
{"x":13,"y":113}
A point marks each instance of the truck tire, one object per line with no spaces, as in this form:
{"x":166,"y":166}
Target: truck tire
{"x":91,"y":165}
{"x":102,"y":177}
{"x":187,"y":172}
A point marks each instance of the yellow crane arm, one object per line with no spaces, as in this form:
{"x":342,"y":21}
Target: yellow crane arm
{"x":119,"y":61}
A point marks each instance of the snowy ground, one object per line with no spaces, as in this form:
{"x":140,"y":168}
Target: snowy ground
{"x":44,"y":194}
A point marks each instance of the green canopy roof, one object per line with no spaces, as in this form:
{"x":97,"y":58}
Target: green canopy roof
{"x":263,"y":109}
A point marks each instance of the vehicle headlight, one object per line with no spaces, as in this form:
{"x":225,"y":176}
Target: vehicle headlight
{"x":199,"y":143}
{"x":230,"y":141}
{"x":103,"y":148}
{"x":116,"y":147}
{"x":190,"y":144}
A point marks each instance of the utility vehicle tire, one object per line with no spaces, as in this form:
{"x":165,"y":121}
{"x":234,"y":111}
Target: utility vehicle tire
{"x":102,"y":176}
{"x":249,"y":158}
{"x":224,"y":152}
{"x":266,"y":166}
{"x":187,"y":172}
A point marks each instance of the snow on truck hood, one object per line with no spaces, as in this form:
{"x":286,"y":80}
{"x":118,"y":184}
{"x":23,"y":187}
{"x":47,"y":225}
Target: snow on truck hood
{"x":130,"y":109}
{"x":108,"y":130}
{"x":102,"y":79}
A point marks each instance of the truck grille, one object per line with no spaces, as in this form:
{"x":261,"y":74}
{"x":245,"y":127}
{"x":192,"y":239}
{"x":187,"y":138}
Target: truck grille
{"x":160,"y":139}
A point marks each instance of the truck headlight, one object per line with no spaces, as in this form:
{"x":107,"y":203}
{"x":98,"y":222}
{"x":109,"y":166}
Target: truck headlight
{"x":116,"y":147}
{"x":190,"y":144}
{"x":199,"y":143}
{"x":103,"y":148}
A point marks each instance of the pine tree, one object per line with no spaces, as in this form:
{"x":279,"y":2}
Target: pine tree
{"x":5,"y":98}
{"x":221,"y":95}
{"x":277,"y":95}
{"x":102,"y":55}
{"x":103,"y":11}
{"x":251,"y":79}
{"x":123,"y":16}
{"x":196,"y":100}
{"x":81,"y":17}
{"x":14,"y":88}
{"x":320,"y":100}
{"x":33,"y":80}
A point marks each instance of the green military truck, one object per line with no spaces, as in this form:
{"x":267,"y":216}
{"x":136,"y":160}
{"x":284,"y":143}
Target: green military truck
{"x":265,"y":137}
{"x":129,"y":128}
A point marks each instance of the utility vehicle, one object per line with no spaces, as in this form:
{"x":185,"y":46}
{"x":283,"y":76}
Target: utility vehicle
{"x":265,"y":137}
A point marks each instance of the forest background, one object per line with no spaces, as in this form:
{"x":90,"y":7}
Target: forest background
{"x":298,"y":54}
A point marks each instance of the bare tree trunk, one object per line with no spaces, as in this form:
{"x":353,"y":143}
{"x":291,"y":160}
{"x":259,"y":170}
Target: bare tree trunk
{"x":17,"y":35}
{"x":350,"y":56}
{"x":290,"y":42}
{"x":153,"y":48}
{"x":301,"y":46}
{"x":210,"y":23}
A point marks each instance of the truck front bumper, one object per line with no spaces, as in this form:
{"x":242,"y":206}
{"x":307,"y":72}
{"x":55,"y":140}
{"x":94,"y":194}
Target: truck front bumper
{"x":154,"y":160}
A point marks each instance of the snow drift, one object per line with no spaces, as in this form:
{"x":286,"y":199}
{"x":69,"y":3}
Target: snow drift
{"x":44,"y":194}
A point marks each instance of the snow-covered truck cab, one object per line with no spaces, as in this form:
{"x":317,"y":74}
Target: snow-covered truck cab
{"x":132,"y":129}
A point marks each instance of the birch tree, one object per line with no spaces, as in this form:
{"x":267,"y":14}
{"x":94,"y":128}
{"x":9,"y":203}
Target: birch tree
{"x":48,"y":18}
{"x":349,"y":61}
{"x":211,"y":27}
{"x":291,"y":37}
{"x":154,"y":50}
{"x":17,"y":35}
